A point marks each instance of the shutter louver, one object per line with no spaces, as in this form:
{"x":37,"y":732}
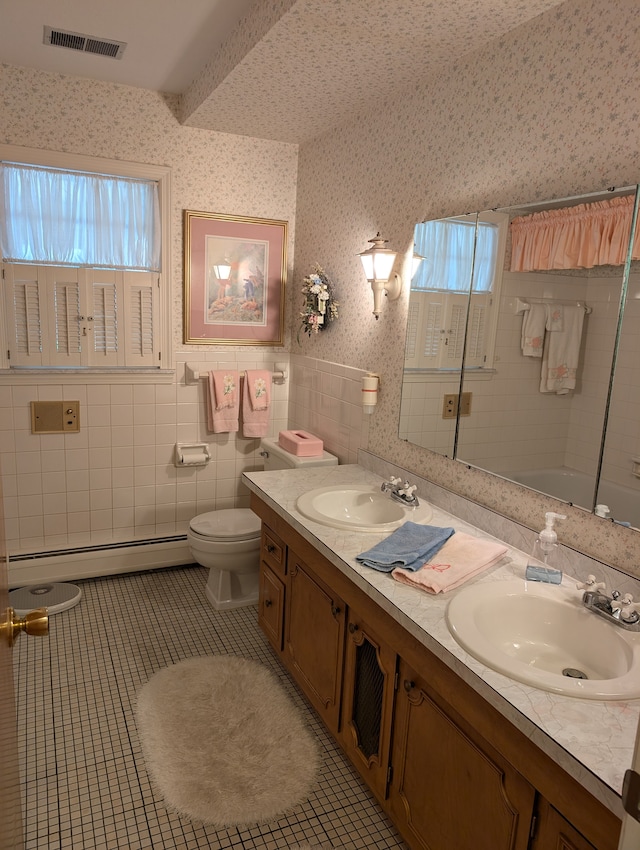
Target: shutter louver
{"x":66,"y":298}
{"x":26,"y":304}
{"x":455,"y":336}
{"x":105,"y":318}
{"x":432,"y":331}
{"x":141,"y":321}
{"x":141,"y":317}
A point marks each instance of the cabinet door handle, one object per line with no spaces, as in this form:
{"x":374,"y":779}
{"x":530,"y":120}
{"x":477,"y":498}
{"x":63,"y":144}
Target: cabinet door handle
{"x":353,"y":628}
{"x":268,"y":603}
{"x":409,"y":685}
{"x":271,"y":548}
{"x":335,"y":610}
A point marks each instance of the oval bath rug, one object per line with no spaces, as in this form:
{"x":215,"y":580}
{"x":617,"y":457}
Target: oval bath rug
{"x":223,"y":743}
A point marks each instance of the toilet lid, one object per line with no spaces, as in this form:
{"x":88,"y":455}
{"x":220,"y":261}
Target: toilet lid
{"x":236,"y":523}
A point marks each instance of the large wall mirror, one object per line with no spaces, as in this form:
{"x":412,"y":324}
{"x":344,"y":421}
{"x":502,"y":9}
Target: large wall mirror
{"x":522,"y":347}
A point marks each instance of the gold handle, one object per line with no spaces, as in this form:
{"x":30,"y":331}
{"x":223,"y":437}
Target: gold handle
{"x":34,"y":623}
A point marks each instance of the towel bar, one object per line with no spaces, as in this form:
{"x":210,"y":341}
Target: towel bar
{"x":523,"y":306}
{"x":192,"y":373}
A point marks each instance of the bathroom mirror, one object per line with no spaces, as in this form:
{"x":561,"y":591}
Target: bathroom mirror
{"x":548,"y":438}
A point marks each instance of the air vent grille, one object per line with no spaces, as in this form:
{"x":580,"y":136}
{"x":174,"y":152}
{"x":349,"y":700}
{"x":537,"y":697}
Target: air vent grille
{"x":84,"y":43}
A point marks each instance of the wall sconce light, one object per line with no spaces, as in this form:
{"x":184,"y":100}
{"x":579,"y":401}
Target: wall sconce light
{"x":377,"y":262}
{"x":222,"y":270}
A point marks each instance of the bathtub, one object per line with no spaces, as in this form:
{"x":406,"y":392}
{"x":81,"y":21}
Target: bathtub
{"x":577,"y":487}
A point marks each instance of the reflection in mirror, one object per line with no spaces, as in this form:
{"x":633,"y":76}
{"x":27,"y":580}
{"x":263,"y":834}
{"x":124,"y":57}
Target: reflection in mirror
{"x":537,"y":364}
{"x":618,"y":493}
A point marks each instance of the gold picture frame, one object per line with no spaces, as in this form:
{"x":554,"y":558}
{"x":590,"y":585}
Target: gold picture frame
{"x":248,"y":307}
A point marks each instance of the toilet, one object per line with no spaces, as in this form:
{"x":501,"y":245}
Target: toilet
{"x":227,"y":541}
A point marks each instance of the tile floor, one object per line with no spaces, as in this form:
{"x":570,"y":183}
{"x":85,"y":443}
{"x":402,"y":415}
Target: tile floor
{"x":84,"y":779}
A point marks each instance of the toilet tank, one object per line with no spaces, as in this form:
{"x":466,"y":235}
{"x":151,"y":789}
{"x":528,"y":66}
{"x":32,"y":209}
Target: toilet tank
{"x":275,"y":457}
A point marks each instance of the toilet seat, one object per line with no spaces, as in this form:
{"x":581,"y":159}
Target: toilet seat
{"x":226,"y":525}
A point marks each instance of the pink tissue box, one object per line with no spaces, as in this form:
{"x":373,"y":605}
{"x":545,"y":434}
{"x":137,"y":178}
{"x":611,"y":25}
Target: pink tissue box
{"x":300,"y":443}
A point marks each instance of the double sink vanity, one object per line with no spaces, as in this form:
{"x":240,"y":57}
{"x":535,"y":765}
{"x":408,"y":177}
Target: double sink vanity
{"x":466,"y":736}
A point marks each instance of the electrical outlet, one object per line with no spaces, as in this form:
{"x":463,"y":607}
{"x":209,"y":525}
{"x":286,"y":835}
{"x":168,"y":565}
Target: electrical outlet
{"x":465,"y":404}
{"x":450,"y":406}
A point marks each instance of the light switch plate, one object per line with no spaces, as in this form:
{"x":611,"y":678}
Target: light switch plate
{"x":55,"y":417}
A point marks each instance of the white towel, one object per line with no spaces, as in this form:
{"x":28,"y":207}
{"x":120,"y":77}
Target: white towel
{"x":561,"y":354}
{"x":534,"y":321}
{"x":462,"y":557}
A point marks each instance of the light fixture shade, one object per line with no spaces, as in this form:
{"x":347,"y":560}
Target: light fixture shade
{"x":222,"y":270}
{"x":377,"y":260}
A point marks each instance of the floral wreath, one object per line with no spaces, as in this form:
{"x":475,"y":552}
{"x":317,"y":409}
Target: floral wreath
{"x":320,"y":307}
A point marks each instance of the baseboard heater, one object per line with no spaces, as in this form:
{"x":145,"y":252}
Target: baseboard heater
{"x":98,"y":560}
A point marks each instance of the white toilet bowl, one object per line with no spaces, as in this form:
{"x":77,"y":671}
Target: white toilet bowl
{"x":228,"y":543}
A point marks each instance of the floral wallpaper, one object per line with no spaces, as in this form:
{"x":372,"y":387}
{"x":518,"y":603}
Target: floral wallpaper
{"x":548,"y":110}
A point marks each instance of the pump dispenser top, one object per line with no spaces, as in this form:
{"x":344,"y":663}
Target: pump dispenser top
{"x":548,"y":537}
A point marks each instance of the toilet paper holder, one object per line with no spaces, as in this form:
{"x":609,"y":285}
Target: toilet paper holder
{"x":192,"y":454}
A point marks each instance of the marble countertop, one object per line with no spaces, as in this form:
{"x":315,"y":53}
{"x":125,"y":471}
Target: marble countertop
{"x":592,"y":740}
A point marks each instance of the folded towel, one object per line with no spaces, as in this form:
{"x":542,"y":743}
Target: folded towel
{"x":408,"y":547}
{"x":461,"y":558}
{"x":534,"y":321}
{"x":561,"y":354}
{"x":225,"y":384}
{"x":223,"y":419}
{"x":256,"y":396}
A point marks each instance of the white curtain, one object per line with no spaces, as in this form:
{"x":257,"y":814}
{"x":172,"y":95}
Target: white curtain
{"x":78,"y":219}
{"x":448,"y":250}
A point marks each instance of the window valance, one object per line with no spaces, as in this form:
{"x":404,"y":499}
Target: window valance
{"x":580,"y":237}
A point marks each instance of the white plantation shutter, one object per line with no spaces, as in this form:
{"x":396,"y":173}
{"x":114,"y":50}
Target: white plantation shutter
{"x":141,"y":318}
{"x":476,"y":354}
{"x":65,"y":317}
{"x":435,"y":330}
{"x":105,"y":301}
{"x":25,"y":291}
{"x":63,"y":298}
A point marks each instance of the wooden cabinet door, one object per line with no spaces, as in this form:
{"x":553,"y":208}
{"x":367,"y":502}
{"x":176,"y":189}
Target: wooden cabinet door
{"x":448,"y":790}
{"x":271,"y":606}
{"x":367,"y":703}
{"x":314,"y":639}
{"x":556,"y":833}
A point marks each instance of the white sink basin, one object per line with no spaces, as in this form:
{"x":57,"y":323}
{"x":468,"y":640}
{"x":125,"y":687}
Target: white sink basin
{"x":358,"y":507}
{"x":541,"y":635}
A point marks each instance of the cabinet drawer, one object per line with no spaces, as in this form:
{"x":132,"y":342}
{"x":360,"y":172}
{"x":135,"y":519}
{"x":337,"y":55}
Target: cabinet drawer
{"x":273,"y":551}
{"x":271,"y":606}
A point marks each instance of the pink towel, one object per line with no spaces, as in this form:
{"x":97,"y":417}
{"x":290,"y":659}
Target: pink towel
{"x":222,"y":416}
{"x":256,"y":396}
{"x":225,"y":386}
{"x":462,"y":557}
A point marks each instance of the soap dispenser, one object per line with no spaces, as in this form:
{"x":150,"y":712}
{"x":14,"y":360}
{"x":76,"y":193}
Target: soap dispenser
{"x":545,"y":551}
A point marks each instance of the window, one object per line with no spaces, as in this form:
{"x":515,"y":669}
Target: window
{"x":460,"y":274}
{"x":84,"y":265}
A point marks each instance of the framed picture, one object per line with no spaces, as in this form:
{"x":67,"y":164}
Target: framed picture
{"x":235,"y":271}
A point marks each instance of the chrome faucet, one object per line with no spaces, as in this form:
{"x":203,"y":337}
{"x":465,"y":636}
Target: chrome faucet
{"x":622,"y":612}
{"x":400,"y":491}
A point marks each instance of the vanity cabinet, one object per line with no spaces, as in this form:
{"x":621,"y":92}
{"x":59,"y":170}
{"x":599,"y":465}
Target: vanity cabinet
{"x":314,"y":638}
{"x":370,"y":679}
{"x":272,"y":587}
{"x":450,"y":788}
{"x":553,"y":832}
{"x":448,"y":768}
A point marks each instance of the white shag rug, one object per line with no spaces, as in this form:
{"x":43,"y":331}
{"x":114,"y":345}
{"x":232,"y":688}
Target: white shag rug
{"x":223,"y":744}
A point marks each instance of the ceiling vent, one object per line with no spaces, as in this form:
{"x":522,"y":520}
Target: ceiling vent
{"x":84,"y":43}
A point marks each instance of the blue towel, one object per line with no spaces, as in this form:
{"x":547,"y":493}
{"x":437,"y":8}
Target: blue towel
{"x":409,"y":547}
